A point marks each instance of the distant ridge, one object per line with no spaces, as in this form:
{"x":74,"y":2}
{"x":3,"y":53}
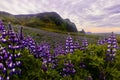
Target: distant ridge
{"x":46,"y":20}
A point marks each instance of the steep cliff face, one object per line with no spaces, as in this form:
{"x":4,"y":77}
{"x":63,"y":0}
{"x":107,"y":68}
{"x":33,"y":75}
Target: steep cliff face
{"x":70,"y":25}
{"x":48,"y":20}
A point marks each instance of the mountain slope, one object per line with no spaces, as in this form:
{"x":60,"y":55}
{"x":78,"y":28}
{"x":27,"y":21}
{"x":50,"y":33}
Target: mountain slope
{"x":47,"y":20}
{"x":7,"y":17}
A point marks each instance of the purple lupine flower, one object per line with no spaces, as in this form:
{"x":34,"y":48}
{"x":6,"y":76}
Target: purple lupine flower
{"x":17,"y":55}
{"x":7,"y":63}
{"x":1,"y":78}
{"x":8,"y":55}
{"x":1,"y":65}
{"x":102,"y":75}
{"x":89,"y":78}
{"x":68,"y":69}
{"x":30,"y":44}
{"x":2,"y":28}
{"x":43,"y":52}
{"x":21,"y":39}
{"x":46,"y":53}
{"x":54,"y":62}
{"x":4,"y":70}
{"x":69,"y":45}
{"x":38,"y":53}
{"x":3,"y":33}
{"x":112,"y":48}
{"x":84,"y":44}
{"x":82,"y":65}
{"x":44,"y":67}
{"x":59,"y":50}
{"x":18,"y":63}
{"x":101,"y":42}
{"x":76,"y":45}
{"x":12,"y":71}
{"x":8,"y":78}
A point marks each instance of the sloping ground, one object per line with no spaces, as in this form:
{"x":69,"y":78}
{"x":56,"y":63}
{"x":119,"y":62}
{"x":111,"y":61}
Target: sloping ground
{"x":47,"y":20}
{"x":53,"y":37}
{"x":50,"y":20}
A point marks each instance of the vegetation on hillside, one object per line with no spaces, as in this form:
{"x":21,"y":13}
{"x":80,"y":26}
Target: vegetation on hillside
{"x":57,"y":56}
{"x":47,"y":21}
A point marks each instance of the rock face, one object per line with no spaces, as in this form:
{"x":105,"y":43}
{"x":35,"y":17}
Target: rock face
{"x":49,"y":20}
{"x":70,"y":26}
{"x":82,"y":31}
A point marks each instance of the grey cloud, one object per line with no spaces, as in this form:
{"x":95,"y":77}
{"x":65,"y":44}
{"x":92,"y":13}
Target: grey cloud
{"x":86,"y":12}
{"x":95,"y":18}
{"x":113,"y":9}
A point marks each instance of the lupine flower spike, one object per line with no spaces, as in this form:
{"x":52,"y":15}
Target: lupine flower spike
{"x":112,"y":48}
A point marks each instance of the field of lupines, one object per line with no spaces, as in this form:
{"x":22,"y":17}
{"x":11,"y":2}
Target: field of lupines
{"x":22,"y":58}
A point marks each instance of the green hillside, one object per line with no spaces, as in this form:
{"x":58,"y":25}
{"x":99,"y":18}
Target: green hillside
{"x":47,"y":21}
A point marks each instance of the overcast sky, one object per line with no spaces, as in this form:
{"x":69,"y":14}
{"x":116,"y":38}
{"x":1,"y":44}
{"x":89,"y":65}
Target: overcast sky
{"x":91,"y":15}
